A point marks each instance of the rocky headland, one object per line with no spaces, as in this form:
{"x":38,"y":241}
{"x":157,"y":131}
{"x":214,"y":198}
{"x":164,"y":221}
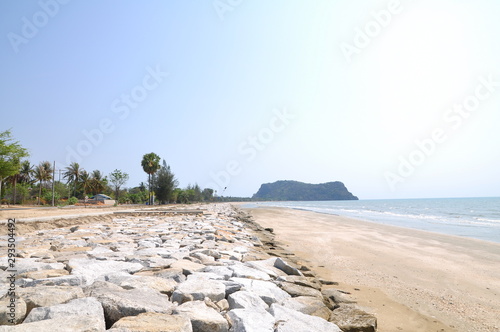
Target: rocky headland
{"x":209,"y":268}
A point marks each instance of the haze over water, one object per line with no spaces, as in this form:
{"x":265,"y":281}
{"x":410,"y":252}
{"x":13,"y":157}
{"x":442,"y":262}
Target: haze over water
{"x":477,"y":218}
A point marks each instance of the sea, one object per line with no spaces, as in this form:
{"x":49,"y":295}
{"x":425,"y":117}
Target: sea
{"x":477,"y":218}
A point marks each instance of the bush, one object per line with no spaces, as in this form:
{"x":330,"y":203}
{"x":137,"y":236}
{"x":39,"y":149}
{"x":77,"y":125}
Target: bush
{"x":47,"y":197}
{"x":72,"y":201}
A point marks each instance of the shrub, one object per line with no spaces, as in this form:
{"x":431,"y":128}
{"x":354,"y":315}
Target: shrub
{"x":72,"y":201}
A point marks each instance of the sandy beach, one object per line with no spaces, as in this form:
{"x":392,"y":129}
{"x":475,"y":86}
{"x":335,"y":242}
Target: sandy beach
{"x":411,"y":280}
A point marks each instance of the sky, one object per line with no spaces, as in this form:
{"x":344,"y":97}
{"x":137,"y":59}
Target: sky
{"x":396,"y":99}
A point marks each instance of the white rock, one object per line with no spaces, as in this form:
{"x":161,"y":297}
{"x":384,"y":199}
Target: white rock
{"x":246,"y":300}
{"x":249,"y":320}
{"x":288,"y":320}
{"x":242,"y":271}
{"x":88,"y":306}
{"x":202,"y":317}
{"x":92,"y":270}
{"x":267,"y":291}
{"x":195,"y":290}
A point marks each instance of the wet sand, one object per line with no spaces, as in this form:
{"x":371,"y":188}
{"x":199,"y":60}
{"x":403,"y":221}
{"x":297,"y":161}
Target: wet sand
{"x":411,"y":280}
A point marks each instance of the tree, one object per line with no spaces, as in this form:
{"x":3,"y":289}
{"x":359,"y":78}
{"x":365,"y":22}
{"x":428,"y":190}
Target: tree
{"x":85,"y":182}
{"x":11,"y":152}
{"x":43,"y":172}
{"x":118,"y":179}
{"x":150,"y":164}
{"x":164,"y":184}
{"x":26,"y":172}
{"x":207,"y":194}
{"x":98,"y":183}
{"x":72,"y":174}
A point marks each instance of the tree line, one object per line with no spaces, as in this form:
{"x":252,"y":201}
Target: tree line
{"x":24,"y":183}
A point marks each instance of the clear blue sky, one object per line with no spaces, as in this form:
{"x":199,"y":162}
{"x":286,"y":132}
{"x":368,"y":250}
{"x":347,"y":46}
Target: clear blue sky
{"x":395,"y":99}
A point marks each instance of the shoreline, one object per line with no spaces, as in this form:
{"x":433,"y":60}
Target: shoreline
{"x":412,"y":280}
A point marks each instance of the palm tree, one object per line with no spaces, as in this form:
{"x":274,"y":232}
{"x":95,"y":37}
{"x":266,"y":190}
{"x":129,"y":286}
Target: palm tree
{"x":43,"y":172}
{"x":26,"y":172}
{"x":150,"y":164}
{"x":97,"y":182}
{"x":72,"y":174}
{"x":85,"y":181}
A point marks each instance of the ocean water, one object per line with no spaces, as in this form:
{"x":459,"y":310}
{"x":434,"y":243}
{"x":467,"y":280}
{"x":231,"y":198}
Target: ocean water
{"x":477,"y":218}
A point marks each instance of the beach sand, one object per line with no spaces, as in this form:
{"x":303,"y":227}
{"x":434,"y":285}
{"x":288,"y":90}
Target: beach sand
{"x":411,"y":280}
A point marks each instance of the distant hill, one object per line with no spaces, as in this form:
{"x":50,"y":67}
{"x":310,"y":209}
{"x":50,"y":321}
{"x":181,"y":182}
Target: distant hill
{"x":299,"y":191}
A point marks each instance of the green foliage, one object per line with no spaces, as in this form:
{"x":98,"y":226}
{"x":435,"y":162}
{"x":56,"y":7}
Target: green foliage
{"x":164,"y":183}
{"x":47,"y":197}
{"x":72,"y":201}
{"x":298,"y":191}
{"x":21,"y":191}
{"x":150,"y":164}
{"x":72,"y":175}
{"x":11,"y":153}
{"x":118,"y":179}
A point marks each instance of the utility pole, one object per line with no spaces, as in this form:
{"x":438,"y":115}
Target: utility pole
{"x":53,"y":183}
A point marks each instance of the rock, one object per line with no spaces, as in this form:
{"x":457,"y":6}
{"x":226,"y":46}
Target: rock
{"x":79,"y":307}
{"x":203,"y":318}
{"x":59,"y":324}
{"x":43,"y":274}
{"x":70,"y":280}
{"x":118,"y":302}
{"x":296,"y":290}
{"x":288,"y":320}
{"x":153,"y":322}
{"x":246,"y":300}
{"x":195,"y":290}
{"x":223,"y":271}
{"x":286,"y":267}
{"x":12,"y":312}
{"x":92,"y":270}
{"x":46,"y":296}
{"x":309,"y":305}
{"x":164,"y":286}
{"x":266,"y":266}
{"x":187,"y":266}
{"x":336,"y":297}
{"x":352,"y":319}
{"x":242,"y":271}
{"x":24,"y":265}
{"x":301,"y":281}
{"x":249,"y":320}
{"x":266,"y":290}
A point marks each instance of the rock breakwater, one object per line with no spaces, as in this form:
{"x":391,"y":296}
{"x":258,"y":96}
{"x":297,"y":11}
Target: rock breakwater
{"x":206,"y":270}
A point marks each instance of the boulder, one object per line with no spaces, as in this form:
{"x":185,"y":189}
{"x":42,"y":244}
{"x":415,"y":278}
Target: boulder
{"x":92,"y":270}
{"x":193,"y":289}
{"x":251,"y":320}
{"x":46,"y":296}
{"x":59,"y":324}
{"x":242,"y":271}
{"x":187,"y":267}
{"x":246,"y":300}
{"x":118,"y":302}
{"x":12,"y":312}
{"x":153,"y":322}
{"x":297,"y":290}
{"x":301,"y":281}
{"x":203,"y":318}
{"x":352,"y":319}
{"x":79,"y":307}
{"x":309,"y":305}
{"x":286,"y":267}
{"x":222,"y":271}
{"x":266,"y":290}
{"x":288,"y":320}
{"x":267,"y":266}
